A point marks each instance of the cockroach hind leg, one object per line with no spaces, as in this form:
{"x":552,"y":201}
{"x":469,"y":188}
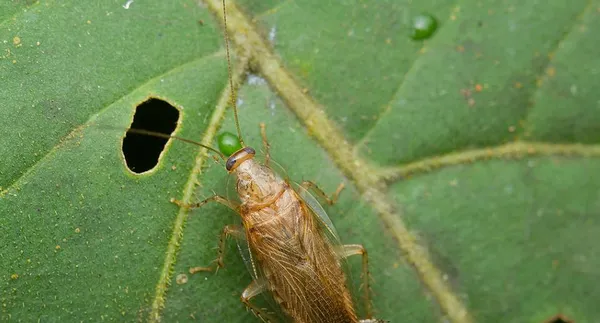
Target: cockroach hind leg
{"x":235,"y":231}
{"x":312,"y":186}
{"x":256,"y":287}
{"x":346,"y":251}
{"x":215,"y":198}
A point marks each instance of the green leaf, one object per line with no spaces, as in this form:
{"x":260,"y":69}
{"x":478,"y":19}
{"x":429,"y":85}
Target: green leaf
{"x":470,"y":158}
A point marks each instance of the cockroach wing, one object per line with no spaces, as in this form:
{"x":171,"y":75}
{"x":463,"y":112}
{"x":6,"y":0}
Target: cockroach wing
{"x":248,"y":257}
{"x":320,"y":214}
{"x":310,"y":201}
{"x":265,"y":299}
{"x":325,"y":224}
{"x":242,"y":244}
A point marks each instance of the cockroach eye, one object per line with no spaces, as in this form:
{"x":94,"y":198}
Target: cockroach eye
{"x":230,"y":163}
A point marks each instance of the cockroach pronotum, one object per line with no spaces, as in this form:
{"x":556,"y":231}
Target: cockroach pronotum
{"x":295,"y":252}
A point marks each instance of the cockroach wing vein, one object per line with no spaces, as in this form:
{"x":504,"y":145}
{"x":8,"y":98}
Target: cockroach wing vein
{"x":248,"y":259}
{"x":316,"y":208}
{"x":325,"y":224}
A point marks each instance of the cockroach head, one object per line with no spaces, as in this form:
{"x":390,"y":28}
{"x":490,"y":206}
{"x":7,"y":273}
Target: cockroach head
{"x":239,"y":157}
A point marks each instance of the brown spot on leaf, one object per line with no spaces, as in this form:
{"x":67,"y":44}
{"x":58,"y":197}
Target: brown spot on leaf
{"x":181,"y":279}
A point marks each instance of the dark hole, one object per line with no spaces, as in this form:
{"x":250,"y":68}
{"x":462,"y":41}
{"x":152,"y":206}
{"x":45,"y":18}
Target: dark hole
{"x":559,"y":319}
{"x":142,"y":151}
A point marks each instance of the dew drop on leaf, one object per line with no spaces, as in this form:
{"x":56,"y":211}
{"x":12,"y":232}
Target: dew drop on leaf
{"x":228,"y":143}
{"x":423,"y":26}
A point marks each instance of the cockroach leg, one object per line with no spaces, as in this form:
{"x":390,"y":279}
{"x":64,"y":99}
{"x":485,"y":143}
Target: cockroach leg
{"x":308,"y":185}
{"x":214,"y":198}
{"x":235,"y":231}
{"x":256,"y":287}
{"x":266,"y":145}
{"x":348,"y":250}
{"x":229,"y":230}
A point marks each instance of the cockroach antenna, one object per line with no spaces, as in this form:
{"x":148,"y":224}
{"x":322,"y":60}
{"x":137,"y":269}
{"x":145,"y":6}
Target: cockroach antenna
{"x":232,"y":95}
{"x":165,"y":136}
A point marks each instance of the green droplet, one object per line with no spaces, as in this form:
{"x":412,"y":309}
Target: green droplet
{"x":423,"y":26}
{"x":228,"y":143}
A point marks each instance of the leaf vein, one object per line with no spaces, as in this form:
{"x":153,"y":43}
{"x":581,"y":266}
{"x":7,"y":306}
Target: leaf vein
{"x":514,"y":150}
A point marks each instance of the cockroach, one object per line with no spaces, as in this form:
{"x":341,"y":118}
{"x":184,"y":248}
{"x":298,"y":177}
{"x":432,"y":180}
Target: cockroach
{"x":295,"y":252}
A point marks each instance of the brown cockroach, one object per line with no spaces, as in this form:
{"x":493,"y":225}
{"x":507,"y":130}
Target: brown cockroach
{"x":292,"y":244}
{"x":294,"y":250}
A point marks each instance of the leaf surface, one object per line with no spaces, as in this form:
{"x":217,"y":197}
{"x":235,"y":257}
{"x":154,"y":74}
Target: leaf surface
{"x":470,"y":159}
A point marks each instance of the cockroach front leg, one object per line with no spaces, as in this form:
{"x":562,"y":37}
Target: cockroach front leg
{"x":256,"y":287}
{"x":308,"y":185}
{"x":215,"y":198}
{"x":348,"y":250}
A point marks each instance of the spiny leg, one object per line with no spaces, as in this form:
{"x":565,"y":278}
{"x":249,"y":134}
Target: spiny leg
{"x":266,"y":145}
{"x":215,"y":198}
{"x":256,"y":287}
{"x":308,"y":185}
{"x":228,"y":230}
{"x":235,"y":231}
{"x":348,"y":250}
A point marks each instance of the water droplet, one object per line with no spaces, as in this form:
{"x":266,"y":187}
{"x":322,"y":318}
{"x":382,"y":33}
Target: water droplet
{"x":228,"y":143}
{"x":423,"y":26}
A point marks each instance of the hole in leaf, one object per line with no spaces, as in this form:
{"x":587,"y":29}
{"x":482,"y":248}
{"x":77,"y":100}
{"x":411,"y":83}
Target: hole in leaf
{"x":142,"y":151}
{"x":559,"y":319}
